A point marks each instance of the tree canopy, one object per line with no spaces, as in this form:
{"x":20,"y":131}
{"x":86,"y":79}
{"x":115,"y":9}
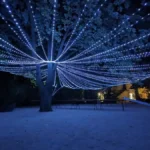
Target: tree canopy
{"x":94,"y":44}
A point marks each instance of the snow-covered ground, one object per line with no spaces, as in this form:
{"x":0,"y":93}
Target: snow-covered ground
{"x":71,"y":129}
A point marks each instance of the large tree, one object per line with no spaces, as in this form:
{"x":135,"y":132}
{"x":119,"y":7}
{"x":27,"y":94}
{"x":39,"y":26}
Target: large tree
{"x":75,"y":44}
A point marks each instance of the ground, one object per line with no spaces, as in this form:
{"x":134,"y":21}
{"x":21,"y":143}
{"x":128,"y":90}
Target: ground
{"x":72,"y":129}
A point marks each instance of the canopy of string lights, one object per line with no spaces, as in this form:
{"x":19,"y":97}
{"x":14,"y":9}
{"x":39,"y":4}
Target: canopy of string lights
{"x":84,"y":58}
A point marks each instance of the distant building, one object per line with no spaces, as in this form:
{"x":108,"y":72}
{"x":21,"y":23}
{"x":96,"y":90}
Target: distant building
{"x":101,"y":96}
{"x":143,"y":93}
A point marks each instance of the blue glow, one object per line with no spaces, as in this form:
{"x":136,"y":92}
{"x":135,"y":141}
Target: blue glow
{"x":83,"y":70}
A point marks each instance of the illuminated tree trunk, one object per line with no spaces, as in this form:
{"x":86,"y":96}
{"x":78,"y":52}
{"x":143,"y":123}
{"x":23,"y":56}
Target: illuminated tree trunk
{"x":46,"y":89}
{"x":45,"y":99}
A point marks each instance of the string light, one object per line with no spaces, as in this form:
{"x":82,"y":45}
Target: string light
{"x":14,"y":49}
{"x":14,"y":31}
{"x":81,"y":32}
{"x":96,"y":56}
{"x":37,"y":29}
{"x":99,"y":43}
{"x":53,"y":29}
{"x":76,"y":78}
{"x":19,"y":28}
{"x":81,"y":82}
{"x":77,"y":23}
{"x":16,"y":22}
{"x":83,"y":71}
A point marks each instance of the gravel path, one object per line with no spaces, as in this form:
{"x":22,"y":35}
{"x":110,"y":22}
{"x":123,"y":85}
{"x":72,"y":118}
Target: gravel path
{"x":70,"y":129}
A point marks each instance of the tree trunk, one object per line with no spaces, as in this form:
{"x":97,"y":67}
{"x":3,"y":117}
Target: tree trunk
{"x":47,"y":89}
{"x":46,"y":99}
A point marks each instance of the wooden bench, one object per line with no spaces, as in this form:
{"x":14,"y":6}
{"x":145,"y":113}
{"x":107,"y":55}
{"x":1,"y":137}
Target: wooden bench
{"x":75,"y":104}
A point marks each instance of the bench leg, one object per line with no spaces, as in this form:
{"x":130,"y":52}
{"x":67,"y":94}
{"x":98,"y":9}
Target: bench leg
{"x":122,"y":105}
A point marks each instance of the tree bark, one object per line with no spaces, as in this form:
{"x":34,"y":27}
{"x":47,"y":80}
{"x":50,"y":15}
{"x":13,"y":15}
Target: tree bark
{"x":47,"y":89}
{"x":46,"y":100}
